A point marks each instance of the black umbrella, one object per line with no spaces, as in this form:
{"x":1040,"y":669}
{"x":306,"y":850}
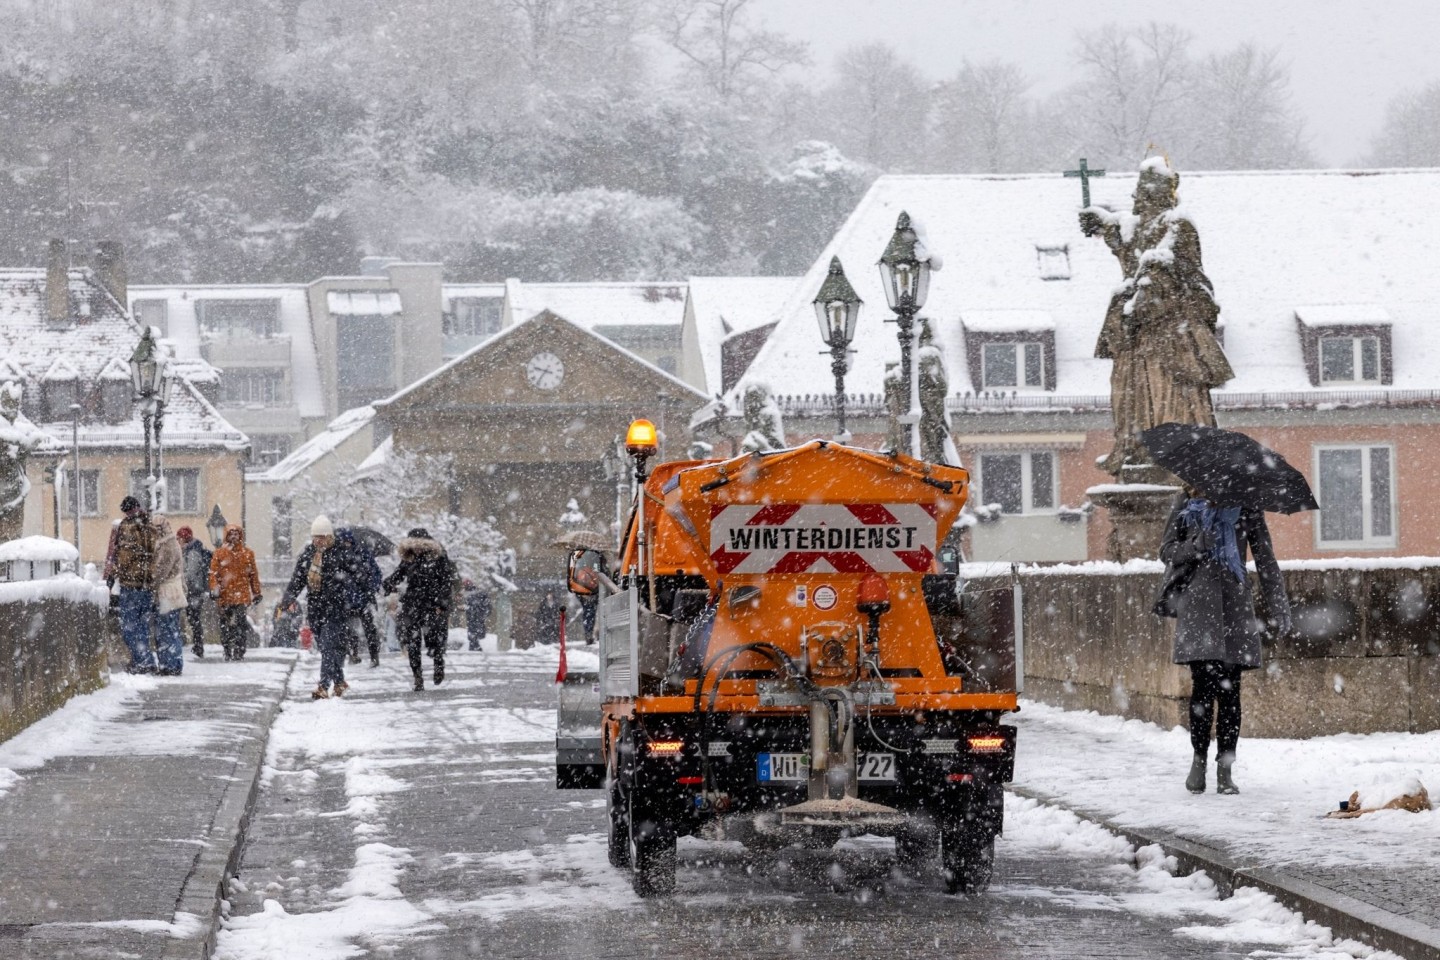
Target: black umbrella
{"x":1229,"y":468}
{"x":373,"y":540}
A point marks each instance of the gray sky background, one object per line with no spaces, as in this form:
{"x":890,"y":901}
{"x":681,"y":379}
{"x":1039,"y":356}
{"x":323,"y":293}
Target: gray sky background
{"x":1347,"y":57}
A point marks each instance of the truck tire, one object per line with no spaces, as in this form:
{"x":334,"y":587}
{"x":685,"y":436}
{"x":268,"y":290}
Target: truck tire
{"x":968,"y":852}
{"x":618,"y":840}
{"x":652,"y":859}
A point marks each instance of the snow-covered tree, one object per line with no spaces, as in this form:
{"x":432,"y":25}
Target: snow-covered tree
{"x":878,"y":108}
{"x":1410,"y":135}
{"x":726,"y":51}
{"x":411,"y":490}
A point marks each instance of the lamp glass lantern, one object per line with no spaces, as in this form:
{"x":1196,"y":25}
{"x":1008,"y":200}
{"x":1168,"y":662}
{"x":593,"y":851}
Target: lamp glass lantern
{"x":837,"y":307}
{"x":148,"y":373}
{"x":216,"y":526}
{"x":905,"y":268}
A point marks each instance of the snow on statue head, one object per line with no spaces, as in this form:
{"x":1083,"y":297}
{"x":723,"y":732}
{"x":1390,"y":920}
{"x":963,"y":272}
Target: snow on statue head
{"x":16,"y":440}
{"x":1158,"y":186}
{"x":10,"y":401}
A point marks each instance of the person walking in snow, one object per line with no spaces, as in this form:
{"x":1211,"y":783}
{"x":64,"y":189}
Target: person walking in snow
{"x":547,"y":619}
{"x":332,"y":576}
{"x":477,"y":613}
{"x":130,"y":563}
{"x":235,"y":585}
{"x":196,"y":575}
{"x":1216,"y":632}
{"x":425,"y":582}
{"x":167,"y":573}
{"x":365,"y":616}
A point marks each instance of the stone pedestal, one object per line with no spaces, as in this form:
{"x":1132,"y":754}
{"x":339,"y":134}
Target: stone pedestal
{"x":1138,"y":506}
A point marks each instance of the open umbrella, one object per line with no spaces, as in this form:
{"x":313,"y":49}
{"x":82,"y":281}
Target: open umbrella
{"x":585,"y":540}
{"x":373,"y":540}
{"x":1230,"y":468}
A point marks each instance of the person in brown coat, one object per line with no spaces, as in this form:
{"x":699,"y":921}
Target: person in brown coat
{"x":130,"y":563}
{"x":235,"y":585}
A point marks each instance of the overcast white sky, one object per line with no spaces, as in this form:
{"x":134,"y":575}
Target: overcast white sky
{"x":1347,"y":57}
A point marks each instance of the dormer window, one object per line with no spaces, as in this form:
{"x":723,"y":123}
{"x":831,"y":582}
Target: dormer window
{"x":1346,"y":344}
{"x":1053,"y":259}
{"x":115,"y":391}
{"x":1012,"y":365}
{"x":59,"y":389}
{"x":1010,"y":349}
{"x":1349,"y":359}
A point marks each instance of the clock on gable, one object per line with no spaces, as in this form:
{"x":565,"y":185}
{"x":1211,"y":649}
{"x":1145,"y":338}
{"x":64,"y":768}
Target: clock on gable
{"x":544,"y":371}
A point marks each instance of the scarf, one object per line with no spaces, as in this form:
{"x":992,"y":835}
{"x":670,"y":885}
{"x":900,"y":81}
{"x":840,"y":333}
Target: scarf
{"x":1220,"y":521}
{"x":312,"y":580}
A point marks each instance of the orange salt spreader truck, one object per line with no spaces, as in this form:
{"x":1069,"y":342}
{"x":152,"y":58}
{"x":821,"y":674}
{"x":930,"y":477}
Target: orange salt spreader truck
{"x":783,"y":659}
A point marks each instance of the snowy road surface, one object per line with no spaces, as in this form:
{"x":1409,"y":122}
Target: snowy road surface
{"x":393,"y":824}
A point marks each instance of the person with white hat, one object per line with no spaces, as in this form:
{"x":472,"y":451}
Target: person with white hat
{"x":332,"y":576}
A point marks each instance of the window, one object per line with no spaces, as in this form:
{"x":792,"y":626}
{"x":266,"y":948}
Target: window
{"x":364,"y":358}
{"x":59,"y":396}
{"x":1357,"y":496}
{"x":282,"y":513}
{"x":115,"y":400}
{"x":1018,"y":482}
{"x":1053,"y":261}
{"x":1349,"y":359}
{"x":268,"y":449}
{"x":473,"y":317}
{"x":152,"y":313}
{"x":238,"y":318}
{"x":89,"y":494}
{"x":182,"y":489}
{"x":262,"y":386}
{"x":1012,"y":365}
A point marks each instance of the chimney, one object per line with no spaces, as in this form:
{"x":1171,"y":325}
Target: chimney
{"x":57,"y":284}
{"x":110,"y":269}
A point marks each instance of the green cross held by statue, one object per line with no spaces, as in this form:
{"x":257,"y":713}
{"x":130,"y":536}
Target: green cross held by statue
{"x":1084,"y":173}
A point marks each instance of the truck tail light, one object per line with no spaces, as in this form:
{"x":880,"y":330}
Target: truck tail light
{"x":665,"y":748}
{"x":689,"y":781}
{"x":987,"y":744}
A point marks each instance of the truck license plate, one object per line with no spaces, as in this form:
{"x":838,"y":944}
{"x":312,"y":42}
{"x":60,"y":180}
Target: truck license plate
{"x":793,"y":767}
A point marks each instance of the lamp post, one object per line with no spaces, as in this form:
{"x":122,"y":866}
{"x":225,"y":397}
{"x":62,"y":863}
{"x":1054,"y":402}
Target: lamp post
{"x":905,"y":269}
{"x":150,"y":377}
{"x":837,"y":308}
{"x":216,"y":526}
{"x":77,"y":492}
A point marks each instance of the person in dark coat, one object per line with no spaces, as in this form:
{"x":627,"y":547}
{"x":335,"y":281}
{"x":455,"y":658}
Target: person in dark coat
{"x":196,"y":567}
{"x":425,"y":581}
{"x":547,"y":619}
{"x":334,"y":579}
{"x":477,"y":613}
{"x":1216,"y":631}
{"x":367,"y":610}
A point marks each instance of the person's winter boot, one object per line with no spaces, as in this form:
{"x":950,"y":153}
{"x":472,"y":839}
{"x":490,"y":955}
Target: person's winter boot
{"x":439,"y":672}
{"x":419,"y":682}
{"x":199,"y":651}
{"x":1223,"y":781}
{"x":374,"y":661}
{"x":1195,"y":783}
{"x":340,"y":688}
{"x":320,"y":693}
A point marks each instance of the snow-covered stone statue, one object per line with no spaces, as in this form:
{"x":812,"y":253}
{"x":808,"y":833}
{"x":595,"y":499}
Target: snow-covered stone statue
{"x":1160,"y":326}
{"x":17,"y":438}
{"x":764,"y":429}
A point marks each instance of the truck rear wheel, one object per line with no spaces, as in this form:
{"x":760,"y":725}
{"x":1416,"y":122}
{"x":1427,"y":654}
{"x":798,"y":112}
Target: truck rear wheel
{"x":618,"y":841}
{"x":968,"y":851}
{"x":914,"y":848}
{"x":652,"y":859}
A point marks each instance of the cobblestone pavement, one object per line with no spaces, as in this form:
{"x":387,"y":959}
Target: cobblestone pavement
{"x":427,"y":826}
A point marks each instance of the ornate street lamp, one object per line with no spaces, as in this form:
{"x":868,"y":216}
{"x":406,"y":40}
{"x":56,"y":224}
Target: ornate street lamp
{"x":151,"y":379}
{"x":837,"y":308}
{"x":905,"y":269}
{"x":216,"y":526}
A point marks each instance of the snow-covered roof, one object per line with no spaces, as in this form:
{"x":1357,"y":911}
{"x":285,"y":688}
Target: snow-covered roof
{"x":1273,"y":243}
{"x":723,"y":306}
{"x":38,"y":549}
{"x":292,"y":302}
{"x":450,"y":291}
{"x":376,"y":459}
{"x":591,"y":305}
{"x":363,"y":303}
{"x":1343,"y":314}
{"x":520,"y":329}
{"x":1007,"y":321}
{"x":89,"y":345}
{"x":306,"y":455}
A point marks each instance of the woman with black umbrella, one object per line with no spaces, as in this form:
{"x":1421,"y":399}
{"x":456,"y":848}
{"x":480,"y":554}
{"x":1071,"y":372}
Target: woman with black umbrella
{"x":1231,"y":481}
